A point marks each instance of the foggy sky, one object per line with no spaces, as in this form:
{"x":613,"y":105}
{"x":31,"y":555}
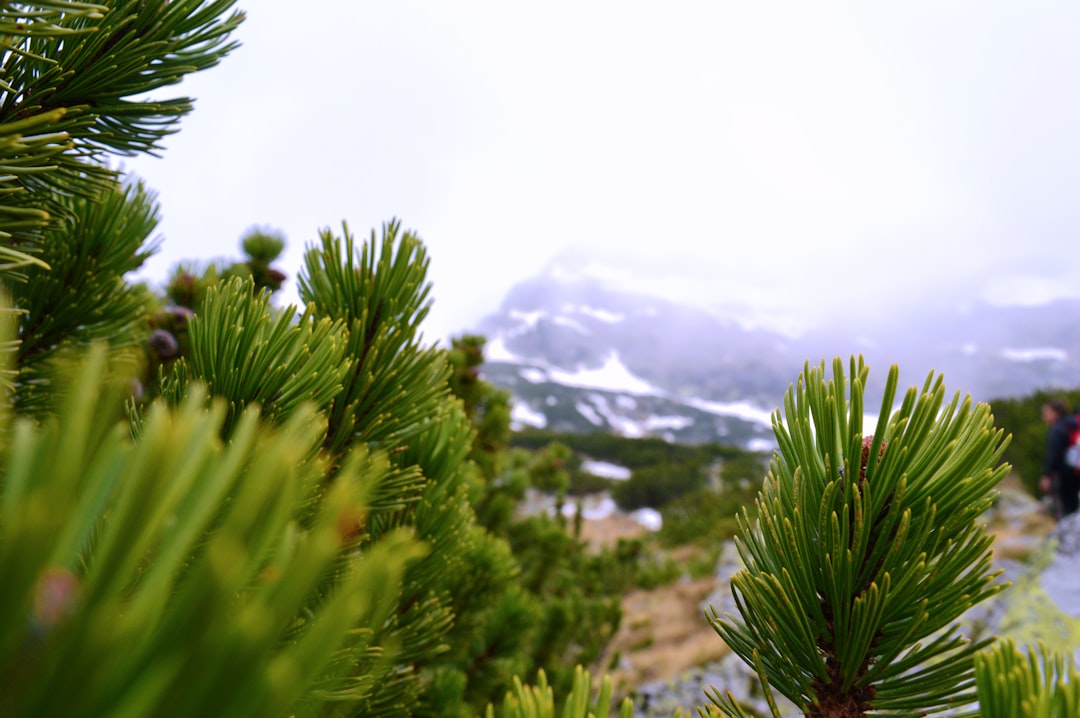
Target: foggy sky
{"x":791,"y":160}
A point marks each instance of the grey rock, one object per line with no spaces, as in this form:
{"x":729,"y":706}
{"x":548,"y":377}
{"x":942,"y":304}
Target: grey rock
{"x":1061,"y":579}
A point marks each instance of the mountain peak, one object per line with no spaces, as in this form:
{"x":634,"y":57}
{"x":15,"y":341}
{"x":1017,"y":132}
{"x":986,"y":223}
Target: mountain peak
{"x":594,"y":353}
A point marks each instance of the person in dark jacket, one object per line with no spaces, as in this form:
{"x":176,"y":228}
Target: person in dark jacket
{"x":1059,"y":479}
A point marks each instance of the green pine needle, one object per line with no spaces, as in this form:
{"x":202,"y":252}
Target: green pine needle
{"x":866,"y":548}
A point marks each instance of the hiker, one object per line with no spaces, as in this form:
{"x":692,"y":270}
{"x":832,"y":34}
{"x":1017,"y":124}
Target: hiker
{"x":1059,"y":480}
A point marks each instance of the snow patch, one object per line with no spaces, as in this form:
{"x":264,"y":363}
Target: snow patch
{"x":524,"y":415}
{"x":612,"y":376}
{"x":739,"y":409}
{"x":589,"y":413}
{"x":626,"y":403}
{"x":496,"y":350}
{"x":761,"y":446}
{"x":605,"y":470}
{"x":571,"y":324}
{"x":602,"y":315}
{"x":1035,"y":354}
{"x":619,"y":424}
{"x":592,"y":508}
{"x":657,"y":423}
{"x":629,"y":428}
{"x":649,"y":518}
{"x":532,"y":375}
{"x":529,"y":319}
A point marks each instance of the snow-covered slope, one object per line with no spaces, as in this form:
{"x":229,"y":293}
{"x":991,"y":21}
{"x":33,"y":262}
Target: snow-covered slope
{"x":580,"y":356}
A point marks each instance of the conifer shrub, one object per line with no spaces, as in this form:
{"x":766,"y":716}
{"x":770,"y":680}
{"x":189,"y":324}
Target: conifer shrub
{"x":181,"y":575}
{"x":271,"y":506}
{"x":583,"y":483}
{"x":1031,"y":684}
{"x":656,"y":486}
{"x":706,"y":516}
{"x":865,"y":550}
{"x":209,"y":506}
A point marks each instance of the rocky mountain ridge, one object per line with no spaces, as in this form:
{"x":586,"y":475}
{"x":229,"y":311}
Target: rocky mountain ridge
{"x":581,"y":356}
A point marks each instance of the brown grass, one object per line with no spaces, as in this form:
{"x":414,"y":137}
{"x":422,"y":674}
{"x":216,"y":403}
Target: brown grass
{"x":664,"y":632}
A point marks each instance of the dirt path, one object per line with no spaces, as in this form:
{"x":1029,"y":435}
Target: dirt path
{"x":664,"y":631}
{"x":663,"y":634}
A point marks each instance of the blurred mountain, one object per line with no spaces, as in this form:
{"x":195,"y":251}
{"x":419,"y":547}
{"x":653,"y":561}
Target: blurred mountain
{"x":580,"y":354}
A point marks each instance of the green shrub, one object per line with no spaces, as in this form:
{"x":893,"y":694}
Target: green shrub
{"x":866,"y":548}
{"x":705,"y":516}
{"x":656,"y":486}
{"x":583,"y":483}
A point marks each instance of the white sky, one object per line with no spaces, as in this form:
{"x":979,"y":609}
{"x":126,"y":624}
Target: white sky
{"x":791,"y":159}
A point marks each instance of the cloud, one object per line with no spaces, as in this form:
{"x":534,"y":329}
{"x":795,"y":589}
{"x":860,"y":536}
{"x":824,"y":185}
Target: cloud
{"x":798,"y":159}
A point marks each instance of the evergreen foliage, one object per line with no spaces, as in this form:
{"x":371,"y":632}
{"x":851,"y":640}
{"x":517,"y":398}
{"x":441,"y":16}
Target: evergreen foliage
{"x":539,"y":701}
{"x":369,"y":448}
{"x":632,"y":453}
{"x":706,"y":516}
{"x":381,"y":297}
{"x":75,"y":78}
{"x":248,"y":357}
{"x":656,"y":486}
{"x":866,"y":549}
{"x":262,"y":247}
{"x":488,"y":406}
{"x":565,"y":606}
{"x":282,"y":523}
{"x":1035,"y":685}
{"x":155,"y":577}
{"x":87,"y":258}
{"x":661,"y":471}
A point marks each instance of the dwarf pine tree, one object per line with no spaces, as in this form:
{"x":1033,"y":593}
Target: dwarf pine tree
{"x":218,"y":509}
{"x":866,"y":547}
{"x":209,"y":506}
{"x":568,"y":596}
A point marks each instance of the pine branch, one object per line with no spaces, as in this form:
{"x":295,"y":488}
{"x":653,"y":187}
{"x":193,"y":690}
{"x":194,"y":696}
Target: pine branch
{"x":73,"y":84}
{"x":866,"y":550}
{"x":135,"y":47}
{"x":539,"y":701}
{"x":83,"y":296}
{"x":247,"y":356}
{"x":156,"y":578}
{"x":395,"y":388}
{"x":1035,"y":684}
